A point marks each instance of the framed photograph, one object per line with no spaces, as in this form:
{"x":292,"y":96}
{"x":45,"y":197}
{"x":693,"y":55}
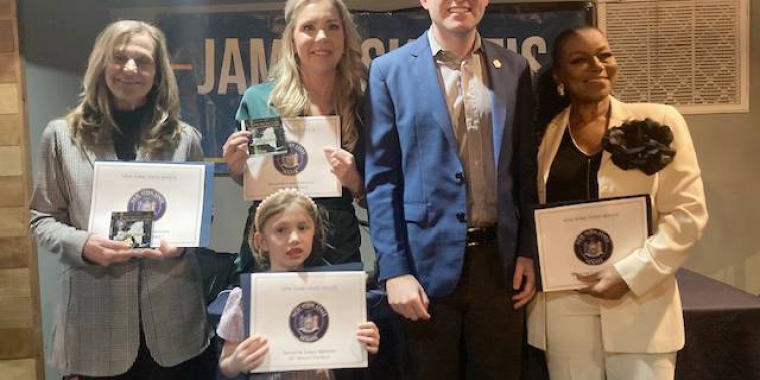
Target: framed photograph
{"x":267,"y":136}
{"x":133,"y":227}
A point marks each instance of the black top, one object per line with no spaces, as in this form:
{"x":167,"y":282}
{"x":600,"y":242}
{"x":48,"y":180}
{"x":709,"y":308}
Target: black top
{"x":573,"y":175}
{"x":129,"y":123}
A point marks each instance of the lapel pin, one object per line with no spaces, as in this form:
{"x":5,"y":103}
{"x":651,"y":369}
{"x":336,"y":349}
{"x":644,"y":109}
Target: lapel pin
{"x":497,"y":63}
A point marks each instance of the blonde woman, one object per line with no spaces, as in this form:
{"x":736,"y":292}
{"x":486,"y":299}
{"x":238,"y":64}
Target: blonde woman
{"x":124,"y":313}
{"x":319,"y":73}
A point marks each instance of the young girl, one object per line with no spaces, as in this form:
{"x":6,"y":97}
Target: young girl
{"x":286,"y":228}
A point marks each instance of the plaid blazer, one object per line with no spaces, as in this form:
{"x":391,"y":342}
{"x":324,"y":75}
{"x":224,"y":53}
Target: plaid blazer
{"x":97,"y":328}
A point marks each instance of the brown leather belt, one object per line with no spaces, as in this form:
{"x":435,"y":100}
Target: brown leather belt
{"x":480,"y":235}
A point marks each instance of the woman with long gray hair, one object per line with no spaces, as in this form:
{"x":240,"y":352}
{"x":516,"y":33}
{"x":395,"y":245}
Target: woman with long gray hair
{"x":124,"y":313}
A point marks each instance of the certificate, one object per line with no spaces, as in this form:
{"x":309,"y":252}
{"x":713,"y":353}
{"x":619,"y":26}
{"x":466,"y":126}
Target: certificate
{"x":588,"y":237}
{"x":178,"y":194}
{"x":304,"y":165}
{"x":309,"y":318}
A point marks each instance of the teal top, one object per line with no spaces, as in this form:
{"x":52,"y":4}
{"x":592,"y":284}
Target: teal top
{"x":343,"y":238}
{"x":255,"y":103}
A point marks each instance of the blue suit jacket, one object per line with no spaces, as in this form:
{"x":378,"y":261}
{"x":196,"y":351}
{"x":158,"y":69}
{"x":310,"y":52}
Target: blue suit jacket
{"x":417,"y":201}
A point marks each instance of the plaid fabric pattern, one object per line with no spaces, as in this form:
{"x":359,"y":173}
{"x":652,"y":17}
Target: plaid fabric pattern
{"x":97,"y":325}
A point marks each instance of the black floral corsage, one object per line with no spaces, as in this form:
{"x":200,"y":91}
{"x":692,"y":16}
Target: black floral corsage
{"x":640,"y":144}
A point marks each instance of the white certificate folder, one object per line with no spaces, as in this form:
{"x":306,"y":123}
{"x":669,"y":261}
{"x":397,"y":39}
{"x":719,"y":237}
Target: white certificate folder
{"x":310,"y":319}
{"x":588,"y":237}
{"x":180,"y":194}
{"x":302,"y":166}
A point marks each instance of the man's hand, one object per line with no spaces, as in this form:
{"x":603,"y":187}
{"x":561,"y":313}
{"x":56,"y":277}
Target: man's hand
{"x":105,"y":252}
{"x":407,"y":298}
{"x":606,"y":284}
{"x":525,"y":277}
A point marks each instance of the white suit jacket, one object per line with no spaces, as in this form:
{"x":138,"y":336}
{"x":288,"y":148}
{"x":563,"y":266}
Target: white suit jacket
{"x":648,"y":319}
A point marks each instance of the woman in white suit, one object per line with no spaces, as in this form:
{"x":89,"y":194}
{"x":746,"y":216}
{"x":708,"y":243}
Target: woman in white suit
{"x":627,"y":322}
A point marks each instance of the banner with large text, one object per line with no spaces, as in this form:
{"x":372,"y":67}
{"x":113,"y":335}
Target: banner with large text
{"x":218,"y":54}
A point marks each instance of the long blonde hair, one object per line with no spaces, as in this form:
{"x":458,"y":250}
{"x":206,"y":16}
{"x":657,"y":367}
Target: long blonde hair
{"x":289,"y":96}
{"x":94,"y":114}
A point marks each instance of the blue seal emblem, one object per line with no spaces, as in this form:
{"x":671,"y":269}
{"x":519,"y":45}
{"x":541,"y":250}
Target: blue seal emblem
{"x":148,"y":200}
{"x":292,"y":162}
{"x":309,"y":321}
{"x":593,"y":246}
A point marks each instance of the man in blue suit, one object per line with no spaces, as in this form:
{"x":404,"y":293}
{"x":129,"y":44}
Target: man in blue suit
{"x":450,"y":177}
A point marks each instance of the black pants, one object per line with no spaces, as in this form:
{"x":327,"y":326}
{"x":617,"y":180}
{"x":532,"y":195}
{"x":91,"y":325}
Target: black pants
{"x":474,"y":333}
{"x":201,"y":367}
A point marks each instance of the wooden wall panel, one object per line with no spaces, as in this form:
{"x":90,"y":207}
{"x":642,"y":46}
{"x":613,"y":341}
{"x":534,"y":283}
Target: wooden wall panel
{"x":14,"y":283}
{"x":17,"y":345}
{"x":14,"y":222}
{"x":12,"y":189}
{"x":8,"y":65}
{"x":10,"y":133}
{"x":17,"y":313}
{"x":7,"y":38}
{"x":6,"y":9}
{"x":21,"y":356}
{"x":9,"y":98}
{"x":11,"y":161}
{"x":19,"y":369}
{"x":15,"y":253}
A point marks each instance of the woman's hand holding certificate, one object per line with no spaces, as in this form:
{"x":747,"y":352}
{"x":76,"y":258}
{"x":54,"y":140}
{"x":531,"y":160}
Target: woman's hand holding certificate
{"x":235,"y":153}
{"x":297,"y":162}
{"x":143,"y":203}
{"x":579,"y":243}
{"x":343,"y":165}
{"x":607,"y":284}
{"x":104,"y":252}
{"x":310,"y":318}
{"x":247,"y":355}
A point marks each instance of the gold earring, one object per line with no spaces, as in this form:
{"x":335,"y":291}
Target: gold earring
{"x":561,"y":89}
